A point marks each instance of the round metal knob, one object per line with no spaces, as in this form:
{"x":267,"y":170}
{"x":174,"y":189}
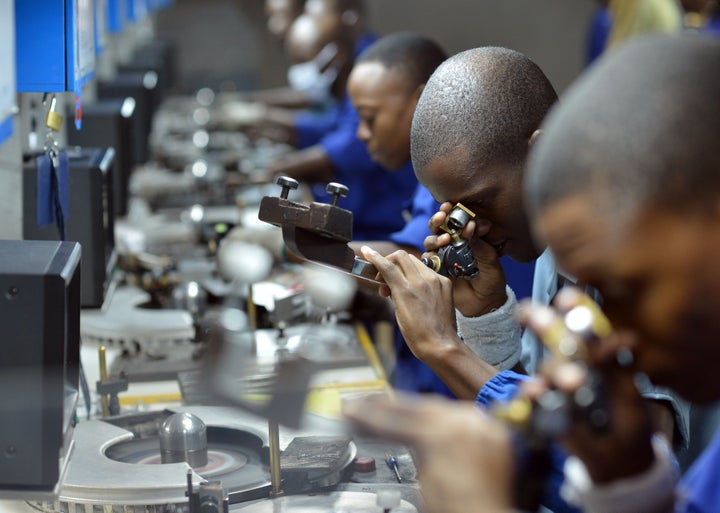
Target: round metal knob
{"x":192,"y":297}
{"x":286,"y":183}
{"x":337,"y":190}
{"x":183,"y":437}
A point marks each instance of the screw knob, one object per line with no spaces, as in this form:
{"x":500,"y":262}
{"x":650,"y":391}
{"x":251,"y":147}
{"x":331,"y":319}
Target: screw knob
{"x":286,"y":183}
{"x":337,"y":190}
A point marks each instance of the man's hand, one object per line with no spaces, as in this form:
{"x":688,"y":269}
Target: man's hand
{"x":422,"y":299}
{"x":464,"y":458}
{"x":425,"y":314}
{"x":624,"y":449}
{"x":486,"y":292}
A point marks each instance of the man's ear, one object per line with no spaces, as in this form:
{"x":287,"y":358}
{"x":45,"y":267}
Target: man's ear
{"x":533,"y":137}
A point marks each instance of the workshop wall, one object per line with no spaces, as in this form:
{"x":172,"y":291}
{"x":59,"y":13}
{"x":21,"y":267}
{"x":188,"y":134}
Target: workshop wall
{"x":224,"y":44}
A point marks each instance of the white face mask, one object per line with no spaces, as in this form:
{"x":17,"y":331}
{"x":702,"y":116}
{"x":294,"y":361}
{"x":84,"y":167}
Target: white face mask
{"x":309,"y":78}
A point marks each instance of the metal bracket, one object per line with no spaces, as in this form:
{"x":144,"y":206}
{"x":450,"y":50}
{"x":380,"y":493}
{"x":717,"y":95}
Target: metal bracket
{"x":317,"y":232}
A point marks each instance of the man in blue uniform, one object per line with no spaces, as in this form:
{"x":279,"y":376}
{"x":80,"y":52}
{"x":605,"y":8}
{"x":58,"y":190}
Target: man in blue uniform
{"x":334,"y":153}
{"x":310,"y":74}
{"x":472,"y":131}
{"x":629,"y":202}
{"x":341,"y":26}
{"x":385,"y":86}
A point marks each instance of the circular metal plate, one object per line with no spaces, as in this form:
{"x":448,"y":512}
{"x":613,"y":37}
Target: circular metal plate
{"x":234,"y":458}
{"x":111,"y":468}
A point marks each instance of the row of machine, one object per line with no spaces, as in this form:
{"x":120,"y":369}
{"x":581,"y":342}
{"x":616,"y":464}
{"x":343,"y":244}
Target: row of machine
{"x":153,"y":360}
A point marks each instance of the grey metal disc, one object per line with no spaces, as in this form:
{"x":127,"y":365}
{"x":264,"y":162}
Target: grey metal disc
{"x":106,"y":470}
{"x":234,"y":458}
{"x":112,"y":470}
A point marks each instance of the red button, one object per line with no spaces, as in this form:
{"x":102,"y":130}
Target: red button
{"x":365,"y":464}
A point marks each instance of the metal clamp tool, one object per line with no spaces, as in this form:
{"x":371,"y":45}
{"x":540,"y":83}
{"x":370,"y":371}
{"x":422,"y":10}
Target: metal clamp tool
{"x":318,"y":232}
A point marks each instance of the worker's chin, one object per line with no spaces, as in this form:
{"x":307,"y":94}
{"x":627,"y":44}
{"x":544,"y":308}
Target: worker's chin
{"x":379,"y":161}
{"x":385,"y":162}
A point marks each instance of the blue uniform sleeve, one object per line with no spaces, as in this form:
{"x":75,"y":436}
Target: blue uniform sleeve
{"x":501,"y":388}
{"x":414,"y":232}
{"x":312,"y":126}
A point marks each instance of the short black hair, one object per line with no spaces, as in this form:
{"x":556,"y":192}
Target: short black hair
{"x":639,"y":130}
{"x":413,"y":55}
{"x":488,"y":101}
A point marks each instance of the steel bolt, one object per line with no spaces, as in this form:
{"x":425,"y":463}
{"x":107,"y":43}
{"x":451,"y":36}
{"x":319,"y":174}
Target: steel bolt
{"x":337,"y":190}
{"x":286,"y":183}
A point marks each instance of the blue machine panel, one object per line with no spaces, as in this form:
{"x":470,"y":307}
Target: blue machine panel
{"x":116,"y":15}
{"x":55,"y":41}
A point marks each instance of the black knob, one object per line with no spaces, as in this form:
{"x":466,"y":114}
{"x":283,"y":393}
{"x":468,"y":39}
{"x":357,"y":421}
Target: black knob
{"x":337,"y":190}
{"x":286,"y":183}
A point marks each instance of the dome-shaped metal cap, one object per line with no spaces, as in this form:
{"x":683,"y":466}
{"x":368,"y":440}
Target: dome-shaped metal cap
{"x":183,"y":437}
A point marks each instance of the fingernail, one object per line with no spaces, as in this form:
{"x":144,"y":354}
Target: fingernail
{"x":367,"y":250}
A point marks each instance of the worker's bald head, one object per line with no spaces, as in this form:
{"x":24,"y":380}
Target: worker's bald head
{"x":486,"y":102}
{"x":336,"y":6}
{"x":304,"y":40}
{"x":281,"y":14}
{"x":343,"y":18}
{"x":639,"y":130}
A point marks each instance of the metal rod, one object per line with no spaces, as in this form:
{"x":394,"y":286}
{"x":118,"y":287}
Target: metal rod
{"x":274,"y":442}
{"x":104,"y":399}
{"x":251,"y":309}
